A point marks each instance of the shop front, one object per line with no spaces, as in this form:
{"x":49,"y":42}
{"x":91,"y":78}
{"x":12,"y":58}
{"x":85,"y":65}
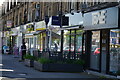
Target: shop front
{"x":40,"y":28}
{"x":28,"y":36}
{"x":14,"y":37}
{"x":73,"y":47}
{"x":66,"y":45}
{"x":102,"y":40}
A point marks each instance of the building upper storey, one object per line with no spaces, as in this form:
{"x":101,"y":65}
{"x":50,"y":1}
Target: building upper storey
{"x":25,"y":11}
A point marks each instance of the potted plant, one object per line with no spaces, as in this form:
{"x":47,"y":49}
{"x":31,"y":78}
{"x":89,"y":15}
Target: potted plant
{"x":44,"y":64}
{"x":29,"y":60}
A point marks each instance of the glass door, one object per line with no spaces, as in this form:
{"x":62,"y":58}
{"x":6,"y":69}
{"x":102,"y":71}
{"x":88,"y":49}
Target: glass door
{"x":95,"y":51}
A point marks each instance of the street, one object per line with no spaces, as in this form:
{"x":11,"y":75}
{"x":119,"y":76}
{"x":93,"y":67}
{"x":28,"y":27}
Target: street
{"x":12,"y":68}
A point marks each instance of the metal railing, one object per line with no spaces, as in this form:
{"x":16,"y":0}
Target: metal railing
{"x":57,"y":55}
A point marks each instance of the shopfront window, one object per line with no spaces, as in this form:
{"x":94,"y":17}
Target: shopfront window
{"x":55,"y":41}
{"x":79,"y":34}
{"x":35,"y":42}
{"x":32,"y":44}
{"x":27,"y":43}
{"x":72,"y":44}
{"x":114,"y":50}
{"x":66,"y":44}
{"x":41,"y":41}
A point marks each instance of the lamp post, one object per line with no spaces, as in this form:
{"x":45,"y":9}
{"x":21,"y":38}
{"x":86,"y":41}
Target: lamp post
{"x":60,"y":16}
{"x":22,"y":32}
{"x":47,"y":33}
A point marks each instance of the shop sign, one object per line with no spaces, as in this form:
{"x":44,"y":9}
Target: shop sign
{"x":30,"y":27}
{"x":40,"y":25}
{"x":101,"y":19}
{"x":7,"y":34}
{"x":56,"y":20}
{"x":14,"y":31}
{"x":65,"y":21}
{"x":9,"y":24}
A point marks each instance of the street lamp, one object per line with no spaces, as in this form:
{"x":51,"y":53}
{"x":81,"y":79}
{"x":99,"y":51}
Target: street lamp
{"x":47,"y":33}
{"x":60,"y":16}
{"x":22,"y":32}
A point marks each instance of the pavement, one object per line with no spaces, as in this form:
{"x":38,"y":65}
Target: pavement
{"x":12,"y":69}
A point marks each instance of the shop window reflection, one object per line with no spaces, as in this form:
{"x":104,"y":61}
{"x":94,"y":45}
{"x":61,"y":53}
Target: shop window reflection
{"x":114,"y":51}
{"x":73,"y":44}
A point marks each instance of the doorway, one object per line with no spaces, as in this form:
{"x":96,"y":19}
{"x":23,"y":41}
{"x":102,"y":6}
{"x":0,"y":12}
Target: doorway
{"x":95,"y":51}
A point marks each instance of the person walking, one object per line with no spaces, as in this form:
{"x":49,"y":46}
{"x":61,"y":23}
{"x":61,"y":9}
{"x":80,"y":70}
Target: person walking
{"x":23,"y":50}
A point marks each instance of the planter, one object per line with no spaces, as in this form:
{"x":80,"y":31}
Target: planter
{"x":29,"y":63}
{"x":58,"y":67}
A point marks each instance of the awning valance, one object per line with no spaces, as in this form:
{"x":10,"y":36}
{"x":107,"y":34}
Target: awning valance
{"x":37,"y":32}
{"x":29,"y":35}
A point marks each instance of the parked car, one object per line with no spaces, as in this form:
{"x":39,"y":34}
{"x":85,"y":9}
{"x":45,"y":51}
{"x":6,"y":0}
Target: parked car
{"x":97,"y":51}
{"x":79,"y":50}
{"x":67,"y":48}
{"x":53,"y":48}
{"x":94,"y":48}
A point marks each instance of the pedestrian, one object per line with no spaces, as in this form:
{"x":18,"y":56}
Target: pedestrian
{"x":56,"y":47}
{"x":23,"y":50}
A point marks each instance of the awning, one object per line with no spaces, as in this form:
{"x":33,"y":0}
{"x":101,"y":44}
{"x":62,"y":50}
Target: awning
{"x":29,"y":24}
{"x":54,"y":35}
{"x":37,"y":32}
{"x":14,"y":34}
{"x":40,"y":29}
{"x":73,"y":27}
{"x":29,"y":35}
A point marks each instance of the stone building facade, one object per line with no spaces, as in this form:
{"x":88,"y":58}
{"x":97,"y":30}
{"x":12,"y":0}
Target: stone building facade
{"x":20,"y":14}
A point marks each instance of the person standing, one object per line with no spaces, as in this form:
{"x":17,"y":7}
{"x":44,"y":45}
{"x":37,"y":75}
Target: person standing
{"x":23,"y":50}
{"x":56,"y":47}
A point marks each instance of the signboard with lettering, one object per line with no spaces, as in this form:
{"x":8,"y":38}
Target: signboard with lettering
{"x":9,"y":24}
{"x":101,"y":19}
{"x":30,"y":27}
{"x":40,"y":25}
{"x":56,"y":20}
